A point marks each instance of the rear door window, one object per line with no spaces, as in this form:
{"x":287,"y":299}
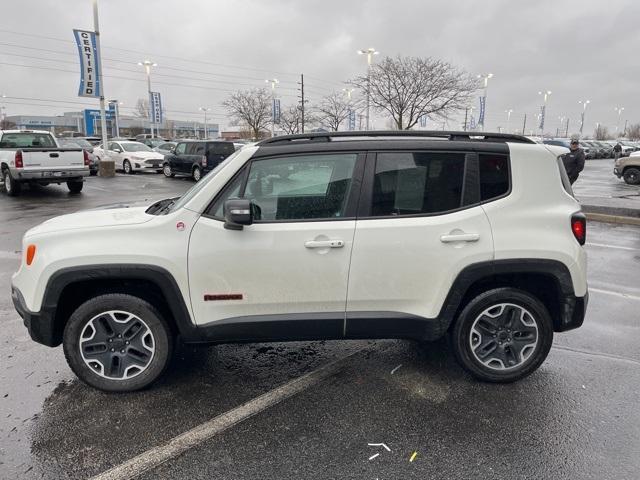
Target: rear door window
{"x":222,"y":148}
{"x":413,"y":183}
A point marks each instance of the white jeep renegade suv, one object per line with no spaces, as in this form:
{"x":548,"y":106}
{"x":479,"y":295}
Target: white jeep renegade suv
{"x":325,"y":236}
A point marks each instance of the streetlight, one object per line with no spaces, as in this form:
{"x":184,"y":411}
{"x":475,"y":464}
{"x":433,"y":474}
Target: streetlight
{"x":483,"y":113}
{"x":3,"y":112}
{"x":584,"y":109}
{"x":619,"y":110}
{"x":546,"y":94}
{"x":348,"y":91}
{"x":508,"y":112}
{"x":205,"y":110}
{"x":147,"y":64}
{"x":369,"y":52}
{"x":273,"y":82}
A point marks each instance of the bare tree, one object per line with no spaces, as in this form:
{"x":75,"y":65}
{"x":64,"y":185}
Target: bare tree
{"x":291,"y":119}
{"x":633,"y":132}
{"x":410,"y":87}
{"x":142,"y":108}
{"x":251,"y":108}
{"x":601,"y":133}
{"x":333,"y":110}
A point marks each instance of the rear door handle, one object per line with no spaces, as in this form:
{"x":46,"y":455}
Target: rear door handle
{"x":460,"y":237}
{"x":324,"y":244}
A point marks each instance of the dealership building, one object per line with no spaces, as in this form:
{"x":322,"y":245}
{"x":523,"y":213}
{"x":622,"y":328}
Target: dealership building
{"x":87,"y":122}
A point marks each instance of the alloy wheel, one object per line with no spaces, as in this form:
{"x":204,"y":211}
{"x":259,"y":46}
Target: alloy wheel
{"x":117,"y":345}
{"x":503,"y":336}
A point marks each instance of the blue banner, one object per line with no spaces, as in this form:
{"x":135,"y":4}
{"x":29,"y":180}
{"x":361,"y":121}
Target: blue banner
{"x":472,"y":123}
{"x":275,"y":110}
{"x":483,"y":101}
{"x":423,"y":121}
{"x":352,"y":119}
{"x":155,"y":105}
{"x":542,"y":114}
{"x":89,"y":74}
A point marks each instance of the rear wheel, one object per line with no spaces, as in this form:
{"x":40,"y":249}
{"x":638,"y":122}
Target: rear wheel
{"x":117,"y":342}
{"x":166,"y":170}
{"x":11,"y":187}
{"x":502,"y":335}
{"x":75,"y":186}
{"x":126,"y":166}
{"x":197,"y":173}
{"x":632,"y":176}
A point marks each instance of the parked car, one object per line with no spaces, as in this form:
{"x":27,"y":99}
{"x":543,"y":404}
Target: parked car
{"x":147,"y":136}
{"x":165,"y":148}
{"x":628,"y":168}
{"x":605,"y":150}
{"x":131,"y":157}
{"x":196,"y":158}
{"x":589,"y":151}
{"x":412,"y":235}
{"x":561,"y":142}
{"x":153,"y":142}
{"x":85,"y":145}
{"x":35,"y":157}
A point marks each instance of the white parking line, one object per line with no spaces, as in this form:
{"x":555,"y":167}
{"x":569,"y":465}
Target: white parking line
{"x":617,"y":294}
{"x":194,"y":437}
{"x":603,"y":245}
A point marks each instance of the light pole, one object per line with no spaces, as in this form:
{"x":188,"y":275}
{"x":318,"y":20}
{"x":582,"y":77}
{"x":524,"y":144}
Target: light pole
{"x":205,"y":110}
{"x":369,"y":52}
{"x":116,"y":111}
{"x":508,"y":112}
{"x":546,"y":94}
{"x":561,"y":119}
{"x":619,"y":110}
{"x":3,"y":113}
{"x":483,"y":113}
{"x":147,"y":64}
{"x":273,"y":82}
{"x":584,"y":110}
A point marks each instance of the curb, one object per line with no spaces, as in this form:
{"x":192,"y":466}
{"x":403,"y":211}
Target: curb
{"x":603,"y":217}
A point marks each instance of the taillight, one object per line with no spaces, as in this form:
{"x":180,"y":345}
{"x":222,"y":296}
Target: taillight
{"x":31,"y":253}
{"x":87,"y":160}
{"x":579,"y":227}
{"x":18,"y":159}
{"x":204,"y":160}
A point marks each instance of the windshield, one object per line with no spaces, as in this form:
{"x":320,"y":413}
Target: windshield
{"x":202,"y":183}
{"x":135,"y":147}
{"x":155,"y":142}
{"x":27,"y":140}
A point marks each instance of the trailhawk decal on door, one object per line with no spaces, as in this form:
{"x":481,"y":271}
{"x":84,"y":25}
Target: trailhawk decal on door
{"x":222,"y":296}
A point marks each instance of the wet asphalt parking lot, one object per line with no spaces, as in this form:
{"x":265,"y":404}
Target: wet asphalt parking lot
{"x":576,"y":417}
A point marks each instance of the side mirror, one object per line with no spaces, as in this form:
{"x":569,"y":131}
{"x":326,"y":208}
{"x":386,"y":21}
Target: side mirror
{"x":117,"y":150}
{"x":237,"y":213}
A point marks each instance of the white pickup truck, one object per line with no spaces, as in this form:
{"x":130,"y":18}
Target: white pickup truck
{"x":34,"y":156}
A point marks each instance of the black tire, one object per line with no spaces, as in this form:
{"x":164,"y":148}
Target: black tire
{"x":126,"y":167}
{"x":75,"y":186}
{"x":462,"y":335}
{"x":11,"y":187}
{"x":196,"y":173}
{"x":631,"y":175}
{"x":153,"y":324}
{"x":93,"y":173}
{"x":167,"y":171}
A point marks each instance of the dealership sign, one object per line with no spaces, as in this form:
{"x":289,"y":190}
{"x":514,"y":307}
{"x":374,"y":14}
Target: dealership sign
{"x":89,"y":74}
{"x":156,"y":107}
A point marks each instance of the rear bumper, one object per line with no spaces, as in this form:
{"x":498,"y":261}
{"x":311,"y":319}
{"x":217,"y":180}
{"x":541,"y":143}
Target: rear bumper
{"x":40,"y":325}
{"x":49,"y":175}
{"x":573,"y":313}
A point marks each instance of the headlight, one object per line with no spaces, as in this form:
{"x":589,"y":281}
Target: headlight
{"x":136,"y":158}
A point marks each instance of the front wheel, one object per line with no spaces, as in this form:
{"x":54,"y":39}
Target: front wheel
{"x":126,"y":166}
{"x":117,"y":343}
{"x":75,"y":186}
{"x":632,"y":176}
{"x":166,"y":170}
{"x":502,"y":335}
{"x":11,"y":187}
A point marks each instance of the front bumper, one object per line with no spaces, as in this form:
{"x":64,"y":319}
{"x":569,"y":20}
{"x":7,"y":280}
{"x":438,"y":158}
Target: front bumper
{"x":617,"y":172}
{"x":41,"y":325}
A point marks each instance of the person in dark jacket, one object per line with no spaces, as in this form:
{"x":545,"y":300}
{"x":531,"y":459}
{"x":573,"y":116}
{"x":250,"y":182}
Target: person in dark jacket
{"x":573,"y":161}
{"x":617,"y":151}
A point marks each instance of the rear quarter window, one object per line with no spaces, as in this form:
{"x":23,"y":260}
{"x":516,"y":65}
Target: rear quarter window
{"x":494,"y":175}
{"x":222,"y":148}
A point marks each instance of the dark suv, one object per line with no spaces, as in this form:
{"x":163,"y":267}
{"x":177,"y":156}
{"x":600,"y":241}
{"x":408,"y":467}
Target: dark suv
{"x":196,"y":158}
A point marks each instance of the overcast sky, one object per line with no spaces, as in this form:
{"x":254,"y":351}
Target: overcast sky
{"x":577,"y":49}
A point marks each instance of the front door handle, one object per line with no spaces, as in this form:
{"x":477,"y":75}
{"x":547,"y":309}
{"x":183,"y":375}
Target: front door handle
{"x":460,"y":237}
{"x":324,"y":244}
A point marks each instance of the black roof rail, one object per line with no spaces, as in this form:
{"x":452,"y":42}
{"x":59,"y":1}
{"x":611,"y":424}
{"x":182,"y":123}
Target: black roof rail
{"x":373,"y":134}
